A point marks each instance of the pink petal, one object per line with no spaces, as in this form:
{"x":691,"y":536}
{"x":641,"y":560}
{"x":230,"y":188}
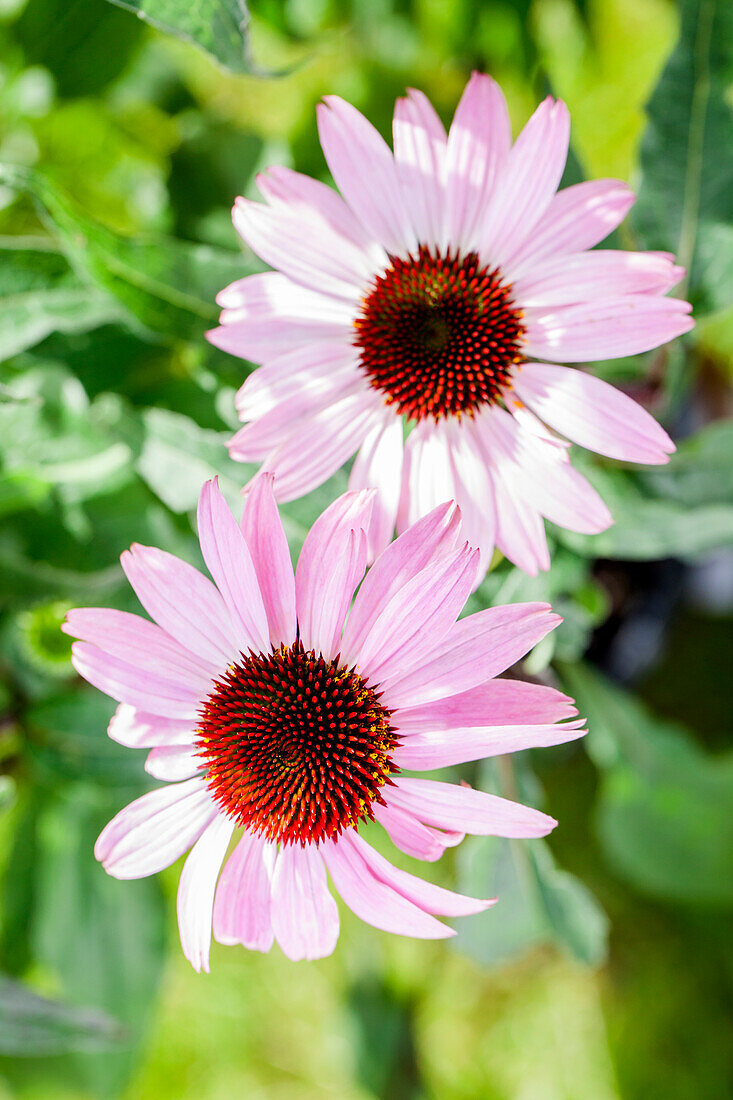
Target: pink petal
{"x":378,"y":465}
{"x":304,"y":246}
{"x":136,"y":729}
{"x":577,"y":218}
{"x":196,"y":891}
{"x":273,"y":296}
{"x":528,"y":181}
{"x":229,"y":561}
{"x":444,"y":748}
{"x":475,"y":649}
{"x":242,"y":905}
{"x":520,"y":530}
{"x":541,"y":474}
{"x":155,"y":830}
{"x":418,"y":616}
{"x":363,"y":168}
{"x":371,"y":899}
{"x":592,"y":413}
{"x":147,"y":691}
{"x":448,"y":806}
{"x":429,"y":898}
{"x":331,"y":564}
{"x":431,"y":537}
{"x":142,"y":644}
{"x":266,"y":338}
{"x":478,"y":146}
{"x":427,"y":478}
{"x":606,"y":330}
{"x":318,"y":446}
{"x":474,"y":493}
{"x":263,"y":532}
{"x":497,"y":702}
{"x":309,"y":377}
{"x":305,"y":919}
{"x":312,"y":198}
{"x":589,"y":276}
{"x":173,"y":763}
{"x":419,"y":153}
{"x":182,"y":601}
{"x":291,"y":417}
{"x":411,"y":836}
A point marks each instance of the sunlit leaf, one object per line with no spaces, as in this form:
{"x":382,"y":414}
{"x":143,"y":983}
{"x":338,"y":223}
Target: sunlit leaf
{"x":217,"y":26}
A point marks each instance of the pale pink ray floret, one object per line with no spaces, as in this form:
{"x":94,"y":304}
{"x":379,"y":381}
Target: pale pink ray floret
{"x":439,"y":289}
{"x":280,"y":708}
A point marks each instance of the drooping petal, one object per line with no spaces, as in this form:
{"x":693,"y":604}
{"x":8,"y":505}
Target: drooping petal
{"x":196,"y":891}
{"x":331,"y":564}
{"x":578,"y":217}
{"x":449,"y":806}
{"x":306,"y":379}
{"x":303,"y":194}
{"x":520,"y":530}
{"x":592,"y":413}
{"x":474,"y":649}
{"x":229,"y":561}
{"x":430,"y":538}
{"x":152,"y":832}
{"x":182,"y":601}
{"x":378,"y":465}
{"x":305,"y":919}
{"x":372,"y":900}
{"x":419,"y":153}
{"x":357,"y":155}
{"x":608,"y":329}
{"x":478,"y":146}
{"x":411,"y":836}
{"x":427,"y":477}
{"x":242,"y":904}
{"x":173,"y":763}
{"x":444,"y":748}
{"x":474,"y":493}
{"x":317,"y":446}
{"x":496,"y":702}
{"x":263,"y":532}
{"x":430,"y":898}
{"x":543,"y":476}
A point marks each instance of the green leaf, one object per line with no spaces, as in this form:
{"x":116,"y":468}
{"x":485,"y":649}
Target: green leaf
{"x":168,"y":285}
{"x":102,"y":938}
{"x":217,"y":26}
{"x":39,"y":295}
{"x":33,"y":1026}
{"x":538,"y":902}
{"x":684,"y":510}
{"x":69,"y":739}
{"x":686,"y":202}
{"x":663,"y":814}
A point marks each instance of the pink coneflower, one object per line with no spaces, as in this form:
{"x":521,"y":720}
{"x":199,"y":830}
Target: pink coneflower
{"x":440,"y":291}
{"x":273,"y":707}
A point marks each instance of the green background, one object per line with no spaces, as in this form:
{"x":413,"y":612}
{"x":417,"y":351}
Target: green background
{"x":604,"y":971}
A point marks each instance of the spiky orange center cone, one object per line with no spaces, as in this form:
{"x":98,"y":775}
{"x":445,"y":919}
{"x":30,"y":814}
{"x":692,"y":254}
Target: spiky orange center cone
{"x":439,"y":334}
{"x":296,"y":747}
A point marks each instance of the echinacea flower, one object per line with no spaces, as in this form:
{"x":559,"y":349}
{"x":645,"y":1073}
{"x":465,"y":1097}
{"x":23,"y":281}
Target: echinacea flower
{"x":274,"y":708}
{"x":441,"y":288}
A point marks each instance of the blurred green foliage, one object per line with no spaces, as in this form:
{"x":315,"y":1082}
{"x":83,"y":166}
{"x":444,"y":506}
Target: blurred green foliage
{"x":122,"y":150}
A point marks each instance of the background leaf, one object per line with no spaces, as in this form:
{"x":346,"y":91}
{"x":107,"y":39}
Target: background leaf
{"x":31,"y":1025}
{"x":217,"y":26}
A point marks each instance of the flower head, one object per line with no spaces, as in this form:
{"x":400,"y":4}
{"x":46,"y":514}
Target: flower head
{"x":276,"y":708}
{"x":441,"y":288}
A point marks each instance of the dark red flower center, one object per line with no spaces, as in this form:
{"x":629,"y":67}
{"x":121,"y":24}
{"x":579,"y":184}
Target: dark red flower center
{"x":439,"y":334}
{"x":296,"y":747}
